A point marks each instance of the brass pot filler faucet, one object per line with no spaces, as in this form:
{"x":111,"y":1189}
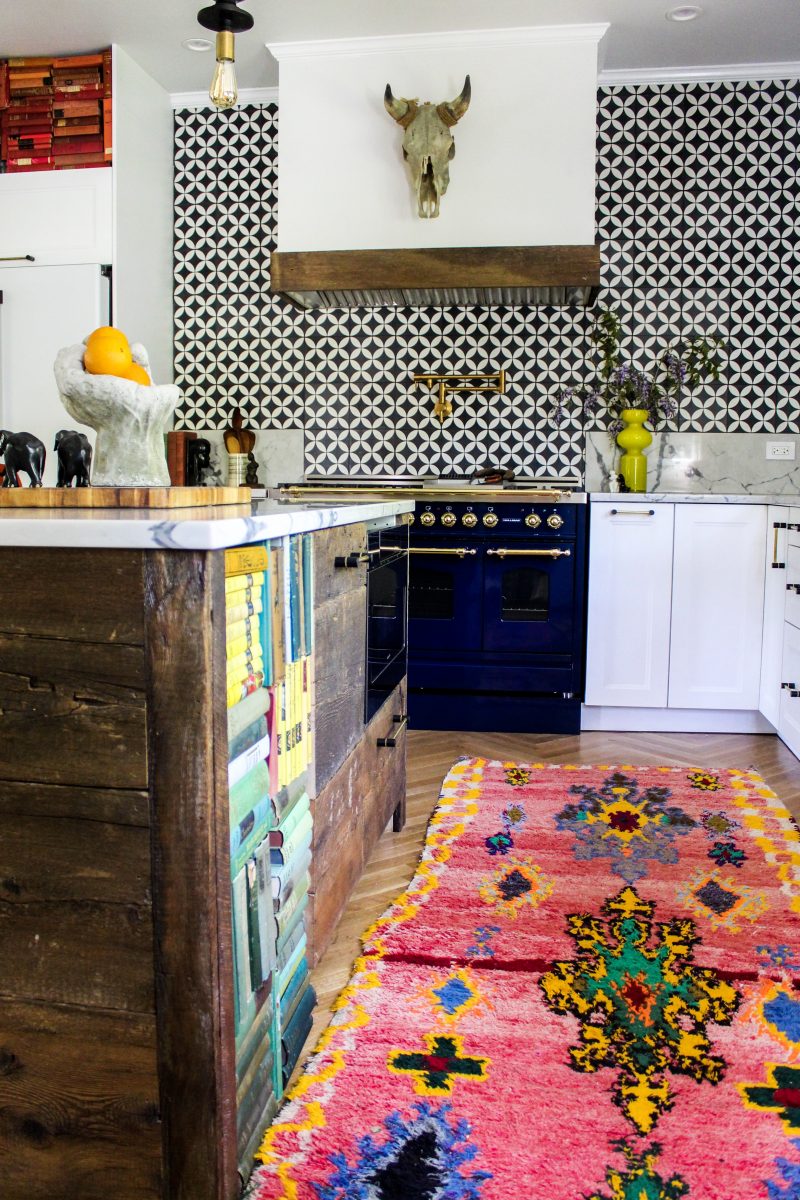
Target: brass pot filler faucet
{"x":492,"y":382}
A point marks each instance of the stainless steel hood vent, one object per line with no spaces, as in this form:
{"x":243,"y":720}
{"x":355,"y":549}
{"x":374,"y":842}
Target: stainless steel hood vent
{"x":497,"y":275}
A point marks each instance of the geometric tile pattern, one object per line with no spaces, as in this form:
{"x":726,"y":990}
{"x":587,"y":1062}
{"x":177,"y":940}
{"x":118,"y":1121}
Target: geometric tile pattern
{"x":698,"y":216}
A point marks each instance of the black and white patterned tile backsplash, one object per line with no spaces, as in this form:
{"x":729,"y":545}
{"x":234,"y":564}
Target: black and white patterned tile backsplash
{"x":698,"y":214}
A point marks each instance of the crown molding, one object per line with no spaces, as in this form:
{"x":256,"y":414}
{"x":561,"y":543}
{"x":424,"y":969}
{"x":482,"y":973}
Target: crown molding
{"x":543,"y":35}
{"x":708,"y":74}
{"x":265,"y":95}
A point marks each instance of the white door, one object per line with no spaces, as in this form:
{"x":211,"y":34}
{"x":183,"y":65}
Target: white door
{"x":42,"y":310}
{"x":630,"y":584}
{"x":717,"y":606}
{"x":774,"y":606}
{"x":789,"y":719}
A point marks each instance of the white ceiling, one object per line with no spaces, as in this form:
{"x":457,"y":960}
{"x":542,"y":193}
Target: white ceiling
{"x":728,"y":32}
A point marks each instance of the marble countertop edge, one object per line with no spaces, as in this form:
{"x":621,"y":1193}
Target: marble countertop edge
{"x":693,"y":498}
{"x":181,"y":529}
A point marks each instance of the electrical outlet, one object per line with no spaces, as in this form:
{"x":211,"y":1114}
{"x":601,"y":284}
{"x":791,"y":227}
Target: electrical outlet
{"x":784,"y":450}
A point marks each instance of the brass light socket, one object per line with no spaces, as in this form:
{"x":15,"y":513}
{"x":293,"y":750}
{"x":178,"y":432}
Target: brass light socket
{"x":225,"y":44}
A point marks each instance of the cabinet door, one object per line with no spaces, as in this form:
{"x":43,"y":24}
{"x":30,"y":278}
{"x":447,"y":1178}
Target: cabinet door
{"x":774,"y":606}
{"x":42,"y":310}
{"x":630,"y":582}
{"x":789,"y":718}
{"x":717,"y":606}
{"x":57,"y":216}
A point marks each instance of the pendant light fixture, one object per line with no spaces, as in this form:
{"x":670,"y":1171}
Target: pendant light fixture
{"x":225,"y":19}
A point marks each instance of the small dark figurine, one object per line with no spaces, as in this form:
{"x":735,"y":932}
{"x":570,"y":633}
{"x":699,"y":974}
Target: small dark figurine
{"x":74,"y":458}
{"x":251,"y":473}
{"x":22,"y":452}
{"x":198,"y":460}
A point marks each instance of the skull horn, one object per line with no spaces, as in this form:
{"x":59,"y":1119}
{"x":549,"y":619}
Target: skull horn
{"x":452,"y":112}
{"x":402,"y":110}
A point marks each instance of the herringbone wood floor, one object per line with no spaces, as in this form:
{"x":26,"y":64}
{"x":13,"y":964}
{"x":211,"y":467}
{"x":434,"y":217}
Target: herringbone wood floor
{"x":430,"y":756}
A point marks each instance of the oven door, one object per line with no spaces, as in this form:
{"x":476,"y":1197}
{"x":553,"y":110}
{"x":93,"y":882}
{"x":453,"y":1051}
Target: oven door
{"x":529,"y":597}
{"x":387,"y":614}
{"x":445,"y":602}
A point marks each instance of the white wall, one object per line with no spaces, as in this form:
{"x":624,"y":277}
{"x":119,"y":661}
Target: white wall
{"x":143,"y":212}
{"x":524,"y":169}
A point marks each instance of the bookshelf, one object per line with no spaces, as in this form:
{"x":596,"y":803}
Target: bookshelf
{"x":140,"y":1053}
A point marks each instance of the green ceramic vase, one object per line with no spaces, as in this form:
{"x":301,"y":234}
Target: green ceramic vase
{"x":634,"y":439}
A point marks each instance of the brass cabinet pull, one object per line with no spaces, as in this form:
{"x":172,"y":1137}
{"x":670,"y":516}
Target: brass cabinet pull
{"x":633,"y":512}
{"x":459,"y":550}
{"x":503,"y":553}
{"x":777,"y":526}
{"x":390,"y":742}
{"x":18,"y":258}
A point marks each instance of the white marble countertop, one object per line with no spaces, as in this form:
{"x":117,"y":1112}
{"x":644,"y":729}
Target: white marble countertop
{"x":182,"y":528}
{"x":692,"y":498}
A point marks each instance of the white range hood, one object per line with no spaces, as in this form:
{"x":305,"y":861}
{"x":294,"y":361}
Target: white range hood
{"x":517,"y":222}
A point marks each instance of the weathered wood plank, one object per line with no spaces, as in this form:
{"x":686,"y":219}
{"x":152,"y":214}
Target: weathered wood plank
{"x":329,"y":544}
{"x":82,"y":595}
{"x":187,"y":743}
{"x":72,"y":712}
{"x":350,"y":814}
{"x":103,"y":805}
{"x":78,"y":1105}
{"x":340,"y":649}
{"x":435,"y":267}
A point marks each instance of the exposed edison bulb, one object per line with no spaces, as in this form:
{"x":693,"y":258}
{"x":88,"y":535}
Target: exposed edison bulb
{"x":223,"y":90}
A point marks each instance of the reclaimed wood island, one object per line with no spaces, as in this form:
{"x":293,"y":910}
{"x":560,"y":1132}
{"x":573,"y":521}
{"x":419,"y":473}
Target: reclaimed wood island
{"x":124,"y":1068}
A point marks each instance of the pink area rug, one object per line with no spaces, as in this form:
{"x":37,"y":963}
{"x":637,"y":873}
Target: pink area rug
{"x":589,"y":991}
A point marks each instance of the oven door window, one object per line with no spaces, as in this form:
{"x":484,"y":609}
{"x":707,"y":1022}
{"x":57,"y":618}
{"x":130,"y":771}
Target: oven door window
{"x":529,"y":603}
{"x":445,"y":602}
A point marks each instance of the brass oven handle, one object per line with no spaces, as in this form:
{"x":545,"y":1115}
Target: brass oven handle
{"x":633,"y":512}
{"x":503,"y":553}
{"x":459,"y":550}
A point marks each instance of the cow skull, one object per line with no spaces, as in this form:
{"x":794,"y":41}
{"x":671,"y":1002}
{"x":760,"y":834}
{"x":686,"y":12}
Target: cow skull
{"x":428,"y":144}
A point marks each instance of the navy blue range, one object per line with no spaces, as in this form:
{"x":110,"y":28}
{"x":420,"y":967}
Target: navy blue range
{"x":496,"y":609}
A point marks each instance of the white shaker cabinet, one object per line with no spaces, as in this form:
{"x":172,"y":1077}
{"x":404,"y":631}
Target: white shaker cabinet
{"x":789,"y":712}
{"x":717,"y":606}
{"x":628,"y":619}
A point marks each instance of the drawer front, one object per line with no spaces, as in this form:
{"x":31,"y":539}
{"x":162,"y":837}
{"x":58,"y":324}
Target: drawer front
{"x":789,"y":722}
{"x":792,"y":610}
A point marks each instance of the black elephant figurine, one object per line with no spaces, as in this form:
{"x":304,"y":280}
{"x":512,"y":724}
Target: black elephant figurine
{"x":74,"y":458}
{"x":198,"y":460}
{"x":22,"y":452}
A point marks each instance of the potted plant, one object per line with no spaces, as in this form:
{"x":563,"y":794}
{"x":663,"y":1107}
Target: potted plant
{"x":631,"y":397}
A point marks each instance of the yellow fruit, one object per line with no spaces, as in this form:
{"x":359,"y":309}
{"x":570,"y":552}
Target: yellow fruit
{"x":106,"y":331}
{"x":137,"y":374}
{"x":108,"y":355}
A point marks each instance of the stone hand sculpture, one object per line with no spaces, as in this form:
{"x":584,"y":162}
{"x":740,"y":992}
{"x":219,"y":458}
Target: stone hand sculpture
{"x":22,"y":452}
{"x":130,"y":419}
{"x":74,"y":458}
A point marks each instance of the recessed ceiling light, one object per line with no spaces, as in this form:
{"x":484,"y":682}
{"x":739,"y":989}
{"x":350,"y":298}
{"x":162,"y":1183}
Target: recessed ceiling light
{"x":199,"y":45}
{"x":684,"y":12}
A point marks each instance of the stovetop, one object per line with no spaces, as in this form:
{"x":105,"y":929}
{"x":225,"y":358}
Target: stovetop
{"x":540,"y":487}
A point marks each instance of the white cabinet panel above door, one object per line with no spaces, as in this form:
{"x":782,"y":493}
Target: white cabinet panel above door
{"x":717,"y":606}
{"x":630,"y":583}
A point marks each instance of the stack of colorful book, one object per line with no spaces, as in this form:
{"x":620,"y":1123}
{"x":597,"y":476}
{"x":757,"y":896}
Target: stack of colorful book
{"x":250,"y":719}
{"x":268,"y":595}
{"x":55,"y":113}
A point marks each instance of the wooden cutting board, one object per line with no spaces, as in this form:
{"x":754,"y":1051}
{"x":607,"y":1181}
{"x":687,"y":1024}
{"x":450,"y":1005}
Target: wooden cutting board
{"x":122,"y":497}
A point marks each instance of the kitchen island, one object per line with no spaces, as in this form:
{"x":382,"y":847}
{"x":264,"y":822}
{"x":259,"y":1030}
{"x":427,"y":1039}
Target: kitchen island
{"x":117,"y":1022}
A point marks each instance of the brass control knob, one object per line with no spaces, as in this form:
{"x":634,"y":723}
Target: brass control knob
{"x":411,"y":518}
{"x":470,"y":520}
{"x":449,"y":519}
{"x":427,"y":518}
{"x":555,"y":521}
{"x":490,"y":520}
{"x":533,"y":520}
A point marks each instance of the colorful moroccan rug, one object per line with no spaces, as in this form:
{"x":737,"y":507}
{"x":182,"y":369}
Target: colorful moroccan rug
{"x":590,"y":991}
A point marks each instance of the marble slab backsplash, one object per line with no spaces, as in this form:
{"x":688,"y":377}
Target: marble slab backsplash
{"x":701,"y":462}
